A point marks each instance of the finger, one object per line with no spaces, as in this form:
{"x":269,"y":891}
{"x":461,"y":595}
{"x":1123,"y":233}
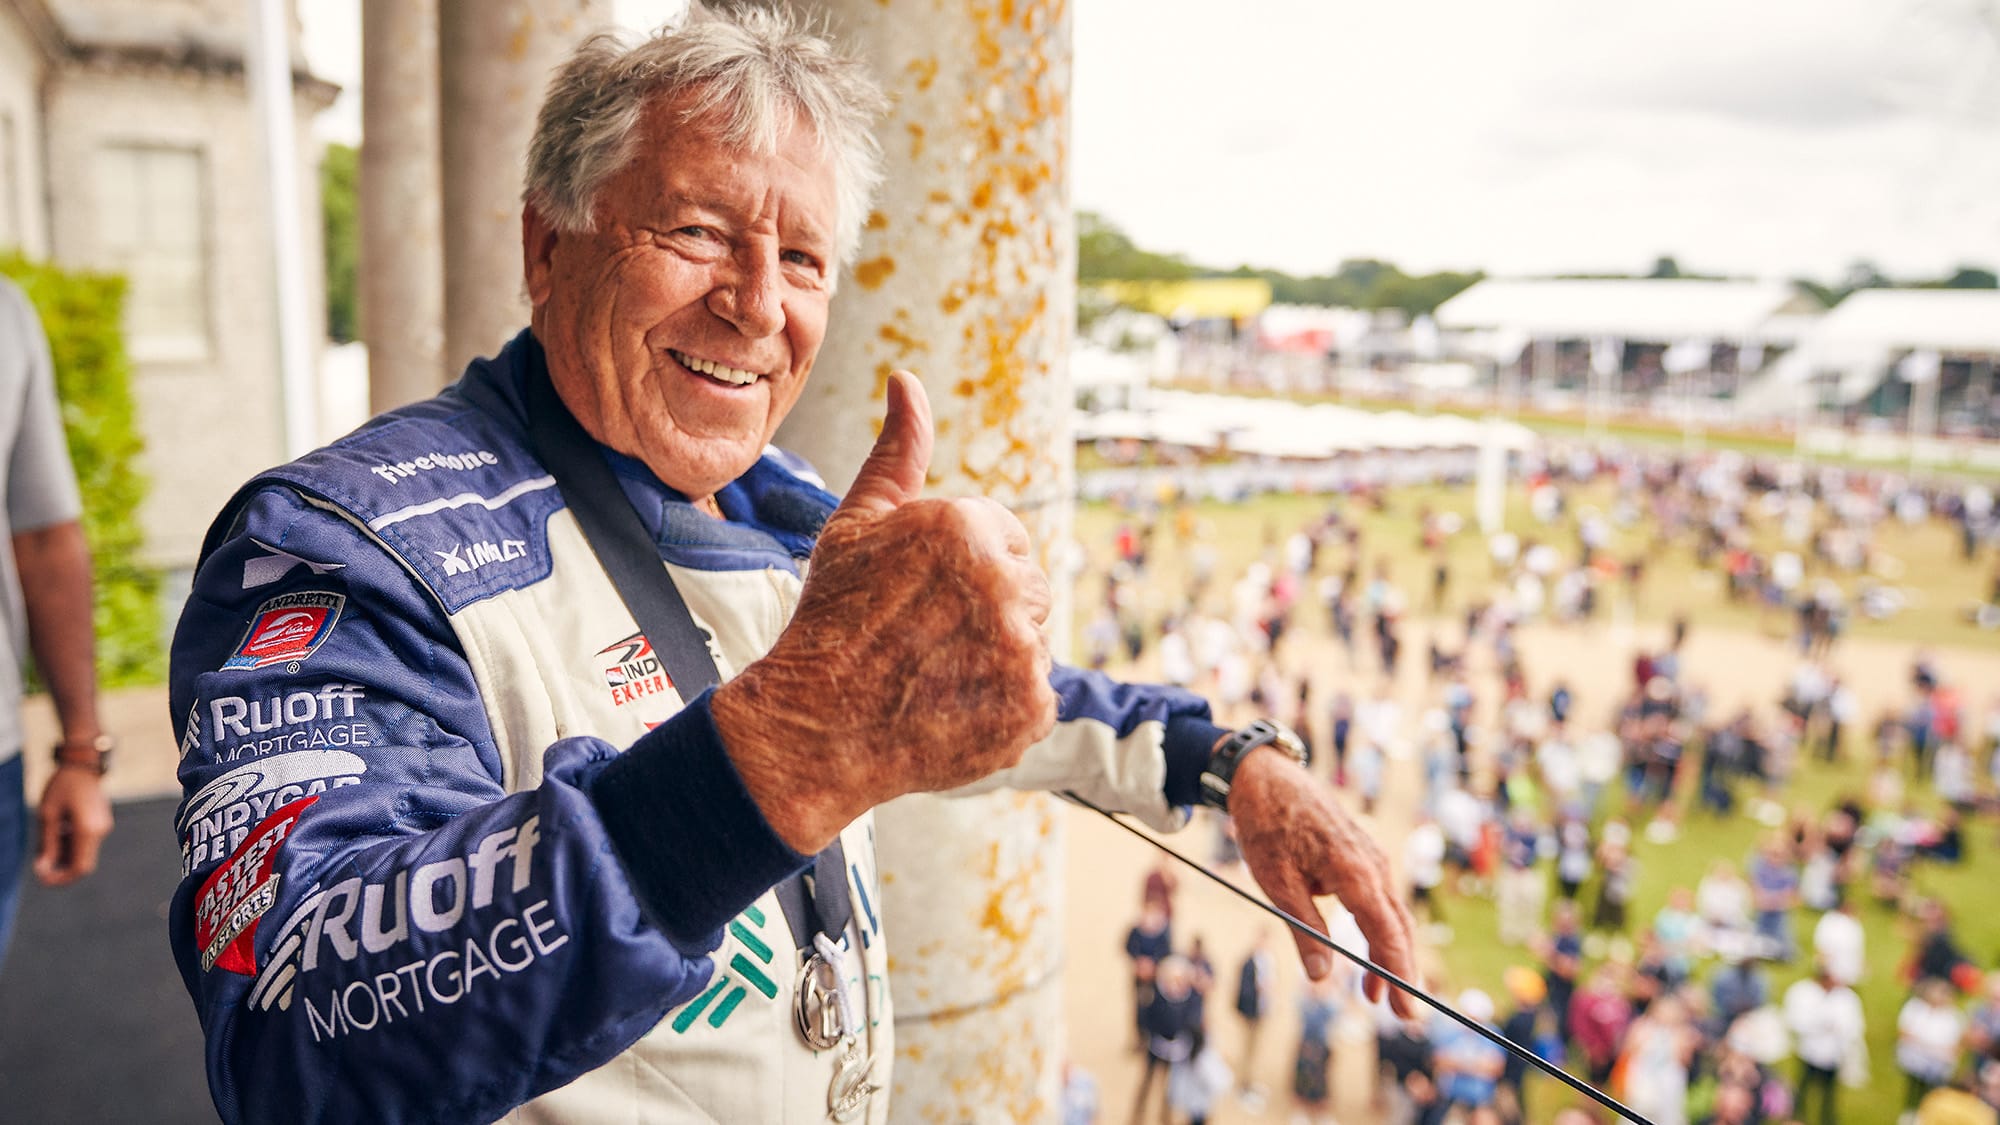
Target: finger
{"x":1405,"y":1005}
{"x":1387,"y":924}
{"x":1288,"y":893}
{"x":1015,"y":535}
{"x":84,"y":844}
{"x":1038,"y":596}
{"x":49,"y":855}
{"x":893,"y":475}
{"x":989,"y":523}
{"x":1388,"y":946}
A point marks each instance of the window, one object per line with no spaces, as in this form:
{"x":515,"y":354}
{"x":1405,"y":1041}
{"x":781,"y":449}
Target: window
{"x":151,"y":228}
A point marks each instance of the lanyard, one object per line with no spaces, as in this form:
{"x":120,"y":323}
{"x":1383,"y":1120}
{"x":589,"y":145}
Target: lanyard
{"x":816,"y":901}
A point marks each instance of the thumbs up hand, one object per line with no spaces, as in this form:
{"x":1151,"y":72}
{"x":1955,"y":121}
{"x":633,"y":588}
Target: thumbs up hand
{"x":915,"y":660}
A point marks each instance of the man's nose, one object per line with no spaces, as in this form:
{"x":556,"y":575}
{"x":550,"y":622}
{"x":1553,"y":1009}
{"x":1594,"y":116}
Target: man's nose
{"x":748,"y":295}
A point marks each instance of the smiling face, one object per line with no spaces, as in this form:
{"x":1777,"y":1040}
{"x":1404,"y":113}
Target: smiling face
{"x":681,"y":330}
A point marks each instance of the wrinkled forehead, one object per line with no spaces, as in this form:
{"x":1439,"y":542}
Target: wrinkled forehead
{"x":734,"y":123}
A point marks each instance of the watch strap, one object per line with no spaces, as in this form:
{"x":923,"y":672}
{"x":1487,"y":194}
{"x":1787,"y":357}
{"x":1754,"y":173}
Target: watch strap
{"x":94,"y":755}
{"x":1221,"y":770}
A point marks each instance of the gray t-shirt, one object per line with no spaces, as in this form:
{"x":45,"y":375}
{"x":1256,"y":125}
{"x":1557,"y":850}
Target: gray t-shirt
{"x":35,"y":477}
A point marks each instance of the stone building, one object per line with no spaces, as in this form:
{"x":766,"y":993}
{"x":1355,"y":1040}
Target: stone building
{"x":129,"y":143}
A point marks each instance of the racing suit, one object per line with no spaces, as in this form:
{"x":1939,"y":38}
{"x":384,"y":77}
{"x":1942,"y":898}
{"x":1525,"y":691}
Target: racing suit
{"x":421,"y":881}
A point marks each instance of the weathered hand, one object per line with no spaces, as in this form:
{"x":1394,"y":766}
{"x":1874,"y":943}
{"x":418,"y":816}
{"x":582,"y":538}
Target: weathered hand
{"x":915,"y":660}
{"x":1300,"y":843}
{"x":75,"y":819}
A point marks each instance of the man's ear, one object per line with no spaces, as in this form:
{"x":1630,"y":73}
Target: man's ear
{"x":538,"y":250}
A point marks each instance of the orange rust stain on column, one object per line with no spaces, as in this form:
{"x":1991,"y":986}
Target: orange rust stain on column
{"x":916,"y":139}
{"x":905,"y":343}
{"x":924,"y":72}
{"x":524,"y":34}
{"x":876,"y":221}
{"x":873,"y":272}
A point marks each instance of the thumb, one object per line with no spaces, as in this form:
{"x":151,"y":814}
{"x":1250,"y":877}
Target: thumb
{"x":894,"y":472}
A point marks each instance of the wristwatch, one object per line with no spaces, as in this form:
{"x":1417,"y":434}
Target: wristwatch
{"x":1221,"y":768}
{"x":96,"y":756}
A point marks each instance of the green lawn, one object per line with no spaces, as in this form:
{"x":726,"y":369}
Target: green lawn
{"x":1924,"y":560}
{"x":1930,"y":567}
{"x":1475,"y":957}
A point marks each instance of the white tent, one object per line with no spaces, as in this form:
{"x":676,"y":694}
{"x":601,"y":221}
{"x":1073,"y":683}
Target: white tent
{"x":1860,"y":337}
{"x":1646,"y":310}
{"x":1941,"y":320}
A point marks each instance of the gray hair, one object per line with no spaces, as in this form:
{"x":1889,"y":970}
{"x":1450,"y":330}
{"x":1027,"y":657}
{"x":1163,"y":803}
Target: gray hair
{"x":748,"y":69}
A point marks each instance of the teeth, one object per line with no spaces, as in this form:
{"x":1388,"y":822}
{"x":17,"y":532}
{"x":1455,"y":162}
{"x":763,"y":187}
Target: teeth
{"x":714,"y":370}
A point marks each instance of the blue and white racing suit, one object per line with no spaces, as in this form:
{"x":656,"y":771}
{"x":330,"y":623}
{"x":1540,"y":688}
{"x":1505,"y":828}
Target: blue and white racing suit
{"x":454,"y":849}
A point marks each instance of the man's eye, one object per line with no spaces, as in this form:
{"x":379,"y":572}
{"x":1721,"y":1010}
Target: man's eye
{"x":695,"y":232}
{"x":801,"y":258}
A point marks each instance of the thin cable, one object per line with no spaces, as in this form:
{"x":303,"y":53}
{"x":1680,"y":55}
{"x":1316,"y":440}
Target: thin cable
{"x":1508,"y":1045}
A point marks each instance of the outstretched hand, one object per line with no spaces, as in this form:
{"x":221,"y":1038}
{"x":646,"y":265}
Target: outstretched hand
{"x":915,"y":660}
{"x":1299,"y":843}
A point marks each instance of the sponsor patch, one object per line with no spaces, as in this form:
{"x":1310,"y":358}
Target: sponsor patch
{"x":335,"y":926}
{"x":238,"y":893}
{"x":632,"y":671}
{"x":287,"y":629}
{"x":468,"y":557}
{"x":266,"y":569}
{"x":191,"y":733}
{"x":463,"y":460}
{"x":321,"y":718}
{"x":218,"y":819}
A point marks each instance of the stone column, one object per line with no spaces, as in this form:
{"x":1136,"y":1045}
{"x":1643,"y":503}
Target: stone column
{"x":402,"y":249}
{"x":494,"y":61}
{"x":967,"y":277}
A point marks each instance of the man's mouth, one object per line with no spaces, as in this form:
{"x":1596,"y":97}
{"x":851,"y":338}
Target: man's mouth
{"x":720,"y":372}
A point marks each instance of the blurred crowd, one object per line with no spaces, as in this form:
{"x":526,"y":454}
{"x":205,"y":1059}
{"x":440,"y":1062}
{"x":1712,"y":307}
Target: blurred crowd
{"x":1533,"y":798}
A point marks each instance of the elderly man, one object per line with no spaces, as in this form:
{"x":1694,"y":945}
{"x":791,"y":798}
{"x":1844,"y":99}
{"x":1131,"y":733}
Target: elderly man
{"x":462,"y":839}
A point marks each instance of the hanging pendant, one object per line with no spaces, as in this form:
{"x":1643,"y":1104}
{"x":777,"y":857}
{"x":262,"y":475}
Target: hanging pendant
{"x":847,"y":1096}
{"x":817,"y":1007}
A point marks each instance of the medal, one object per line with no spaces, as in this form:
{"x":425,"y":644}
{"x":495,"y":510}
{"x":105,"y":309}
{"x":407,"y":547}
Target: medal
{"x":847,"y":1096}
{"x":822,"y":1008}
{"x":818,"y":1008}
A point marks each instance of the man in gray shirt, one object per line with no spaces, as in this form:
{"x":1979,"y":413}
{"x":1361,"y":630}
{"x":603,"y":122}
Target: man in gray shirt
{"x":45,"y":606}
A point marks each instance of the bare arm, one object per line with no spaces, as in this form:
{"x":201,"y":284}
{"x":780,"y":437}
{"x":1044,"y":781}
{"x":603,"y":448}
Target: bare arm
{"x":54,"y":565}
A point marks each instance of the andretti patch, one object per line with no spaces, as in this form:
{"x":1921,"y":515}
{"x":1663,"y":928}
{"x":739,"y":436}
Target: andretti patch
{"x":287,"y":629}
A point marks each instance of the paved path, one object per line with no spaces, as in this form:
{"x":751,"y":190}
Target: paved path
{"x":94,"y":1023}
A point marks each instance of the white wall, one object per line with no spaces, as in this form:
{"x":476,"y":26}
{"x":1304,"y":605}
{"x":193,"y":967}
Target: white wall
{"x":209,"y":422}
{"x":23,"y":218}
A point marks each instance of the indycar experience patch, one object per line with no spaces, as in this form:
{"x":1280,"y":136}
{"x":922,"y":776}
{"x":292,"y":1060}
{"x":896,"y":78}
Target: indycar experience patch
{"x":287,"y":628}
{"x":632,"y":671}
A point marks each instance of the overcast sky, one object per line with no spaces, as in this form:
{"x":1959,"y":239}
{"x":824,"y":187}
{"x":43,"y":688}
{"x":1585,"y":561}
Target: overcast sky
{"x":1758,"y":137}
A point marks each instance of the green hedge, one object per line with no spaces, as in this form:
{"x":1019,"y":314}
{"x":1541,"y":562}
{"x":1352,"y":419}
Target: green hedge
{"x":82,"y":316}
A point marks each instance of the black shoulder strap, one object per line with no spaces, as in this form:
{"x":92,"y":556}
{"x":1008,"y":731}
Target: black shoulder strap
{"x":619,"y":540}
{"x":812,"y":902}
